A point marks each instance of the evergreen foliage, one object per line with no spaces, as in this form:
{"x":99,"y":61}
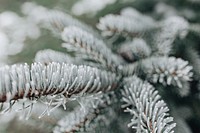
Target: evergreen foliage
{"x":132,"y":68}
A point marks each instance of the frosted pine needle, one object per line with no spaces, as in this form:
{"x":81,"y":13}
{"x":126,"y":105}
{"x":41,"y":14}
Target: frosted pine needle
{"x":149,"y":112}
{"x":24,"y":82}
{"x":167,"y":70}
{"x":89,"y":47}
{"x":123,"y":25}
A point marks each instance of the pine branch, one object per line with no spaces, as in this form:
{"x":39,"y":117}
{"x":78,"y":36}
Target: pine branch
{"x":124,"y":25}
{"x":61,"y":80}
{"x":89,"y":47}
{"x":164,"y":70}
{"x":150,"y":113}
{"x":98,"y":71}
{"x":167,"y":70}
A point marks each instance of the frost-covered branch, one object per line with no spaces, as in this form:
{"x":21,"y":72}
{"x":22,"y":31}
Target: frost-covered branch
{"x":167,"y":70}
{"x":125,"y":25}
{"x":150,"y":113}
{"x":22,"y":81}
{"x":89,"y":47}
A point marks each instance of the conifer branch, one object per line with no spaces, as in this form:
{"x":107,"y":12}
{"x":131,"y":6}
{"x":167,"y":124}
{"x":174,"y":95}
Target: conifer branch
{"x":150,"y":113}
{"x":139,"y":46}
{"x":22,"y":81}
{"x":167,"y":70}
{"x":123,"y":25}
{"x":89,"y":47}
